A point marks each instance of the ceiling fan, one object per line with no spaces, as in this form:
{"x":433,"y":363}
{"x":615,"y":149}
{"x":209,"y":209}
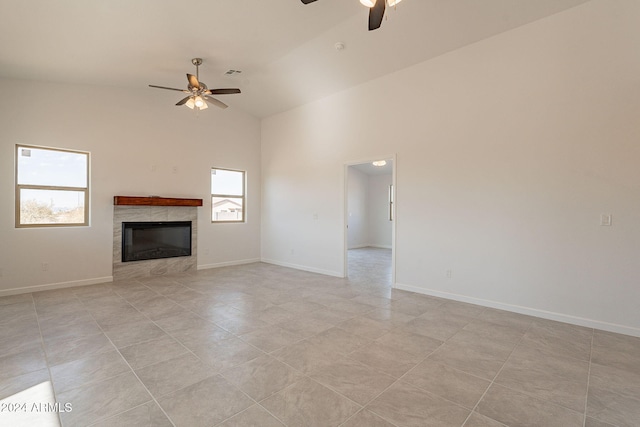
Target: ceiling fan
{"x":199,"y":93}
{"x":376,"y":10}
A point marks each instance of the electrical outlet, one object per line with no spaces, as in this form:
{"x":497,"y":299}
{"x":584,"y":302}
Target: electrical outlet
{"x":45,"y":266}
{"x":1,"y":272}
{"x":175,"y":169}
{"x":292,"y":252}
{"x":449,"y":274}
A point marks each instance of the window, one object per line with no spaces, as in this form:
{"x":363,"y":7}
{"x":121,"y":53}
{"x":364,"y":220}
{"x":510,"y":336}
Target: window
{"x":52,"y":187}
{"x":227,"y":195}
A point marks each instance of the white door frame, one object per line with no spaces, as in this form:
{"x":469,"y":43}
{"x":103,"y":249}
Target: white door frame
{"x":345,"y":218}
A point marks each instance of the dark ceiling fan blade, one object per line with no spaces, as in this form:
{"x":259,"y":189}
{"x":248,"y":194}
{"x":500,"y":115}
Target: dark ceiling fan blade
{"x":215,"y":102}
{"x":169,"y":88}
{"x":376,"y":13}
{"x":308,"y":1}
{"x":193,"y":80}
{"x":183,"y":101}
{"x":222,"y":91}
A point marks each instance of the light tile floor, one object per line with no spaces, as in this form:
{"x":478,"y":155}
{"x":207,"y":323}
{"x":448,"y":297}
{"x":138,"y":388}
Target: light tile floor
{"x":262,"y":345}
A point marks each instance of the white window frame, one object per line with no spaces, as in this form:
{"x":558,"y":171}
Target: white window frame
{"x":243,"y":197}
{"x":20,"y":187}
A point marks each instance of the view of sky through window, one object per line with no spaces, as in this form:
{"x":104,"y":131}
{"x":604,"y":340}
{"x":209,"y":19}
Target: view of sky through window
{"x":55,"y":168}
{"x":227,"y":182}
{"x":52,"y":187}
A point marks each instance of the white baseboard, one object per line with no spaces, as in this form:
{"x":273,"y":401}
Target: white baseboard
{"x":303,"y":268}
{"x":228,"y":263}
{"x":370,"y":246}
{"x":51,"y":286}
{"x":574,"y":320}
{"x":357,"y":246}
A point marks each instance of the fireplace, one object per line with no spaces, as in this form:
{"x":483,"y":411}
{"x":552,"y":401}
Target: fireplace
{"x":155,"y":240}
{"x":134,"y":209}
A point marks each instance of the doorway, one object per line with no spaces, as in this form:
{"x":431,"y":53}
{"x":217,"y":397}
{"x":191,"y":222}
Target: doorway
{"x":370,"y":222}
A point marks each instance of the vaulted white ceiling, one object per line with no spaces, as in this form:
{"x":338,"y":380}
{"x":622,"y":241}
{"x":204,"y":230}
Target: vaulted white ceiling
{"x":284,"y":49}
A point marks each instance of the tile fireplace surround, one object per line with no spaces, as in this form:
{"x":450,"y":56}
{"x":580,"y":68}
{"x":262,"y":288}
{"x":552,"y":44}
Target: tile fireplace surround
{"x":155,"y":267}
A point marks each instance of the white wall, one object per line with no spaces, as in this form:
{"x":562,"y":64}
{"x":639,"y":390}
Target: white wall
{"x":368,"y":210}
{"x":379,"y":226}
{"x":508,"y":151}
{"x":127,"y":132}
{"x":357,"y":209}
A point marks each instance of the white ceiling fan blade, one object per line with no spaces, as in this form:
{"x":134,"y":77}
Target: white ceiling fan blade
{"x":215,"y":102}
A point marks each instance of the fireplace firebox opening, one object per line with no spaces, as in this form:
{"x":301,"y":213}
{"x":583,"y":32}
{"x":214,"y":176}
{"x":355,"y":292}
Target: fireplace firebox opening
{"x":155,"y":240}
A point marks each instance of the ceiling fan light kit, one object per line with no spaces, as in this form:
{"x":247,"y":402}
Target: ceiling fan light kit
{"x":196,"y":102}
{"x":376,"y":10}
{"x":198,"y":92}
{"x":371,"y":3}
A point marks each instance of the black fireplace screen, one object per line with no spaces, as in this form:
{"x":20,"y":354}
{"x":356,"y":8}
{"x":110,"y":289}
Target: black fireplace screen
{"x":153,"y":240}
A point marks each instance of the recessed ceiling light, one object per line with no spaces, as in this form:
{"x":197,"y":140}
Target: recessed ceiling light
{"x":379,"y":163}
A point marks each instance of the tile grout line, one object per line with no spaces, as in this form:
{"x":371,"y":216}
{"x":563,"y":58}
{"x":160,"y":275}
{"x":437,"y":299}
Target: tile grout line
{"x":125,"y":360}
{"x":195,"y":355}
{"x":233,"y":335}
{"x":46,"y":357}
{"x":520,"y":391}
{"x":362,"y":410}
{"x":254,"y":400}
{"x":120,"y":413}
{"x":586,"y":397}
{"x":304,"y":375}
{"x":265,"y":354}
{"x":497,"y":374}
{"x":131,"y":369}
{"x":362,"y":407}
{"x":527,"y":393}
{"x":403,"y":375}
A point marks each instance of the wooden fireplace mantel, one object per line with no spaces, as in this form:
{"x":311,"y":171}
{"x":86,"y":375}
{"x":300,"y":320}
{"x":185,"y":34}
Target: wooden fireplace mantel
{"x":154,"y":201}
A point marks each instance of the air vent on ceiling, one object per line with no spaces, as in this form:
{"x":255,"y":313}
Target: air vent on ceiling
{"x":232,"y":72}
